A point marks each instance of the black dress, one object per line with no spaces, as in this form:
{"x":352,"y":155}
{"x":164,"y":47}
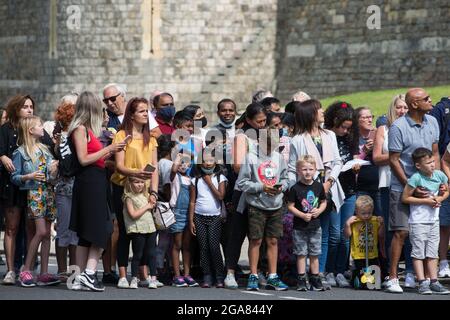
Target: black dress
{"x":90,"y":217}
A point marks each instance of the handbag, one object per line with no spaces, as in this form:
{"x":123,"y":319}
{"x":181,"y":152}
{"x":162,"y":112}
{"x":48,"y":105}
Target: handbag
{"x":163,"y":216}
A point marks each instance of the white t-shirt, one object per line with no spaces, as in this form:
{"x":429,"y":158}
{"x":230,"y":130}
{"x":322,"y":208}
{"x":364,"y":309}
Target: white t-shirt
{"x":151,"y":121}
{"x":422,"y":213}
{"x":164,"y":168}
{"x":175,"y":188}
{"x":206,"y":204}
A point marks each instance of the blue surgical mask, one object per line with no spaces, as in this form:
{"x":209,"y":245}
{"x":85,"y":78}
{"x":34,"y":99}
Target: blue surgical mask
{"x":207,"y":171}
{"x":284,"y":132}
{"x":166,"y":113}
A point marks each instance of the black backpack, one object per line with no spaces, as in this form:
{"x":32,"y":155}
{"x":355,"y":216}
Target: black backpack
{"x":67,"y":156}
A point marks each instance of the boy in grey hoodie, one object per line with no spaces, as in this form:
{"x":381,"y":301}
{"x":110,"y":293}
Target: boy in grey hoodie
{"x":263,"y":179}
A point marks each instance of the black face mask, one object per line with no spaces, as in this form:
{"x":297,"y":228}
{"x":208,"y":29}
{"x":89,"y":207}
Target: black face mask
{"x":204,"y":121}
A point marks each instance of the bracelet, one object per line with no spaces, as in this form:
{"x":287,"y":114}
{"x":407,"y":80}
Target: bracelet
{"x":154,"y":193}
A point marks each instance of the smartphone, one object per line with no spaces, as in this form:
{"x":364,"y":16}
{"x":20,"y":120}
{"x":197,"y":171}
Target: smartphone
{"x":149,"y":168}
{"x":278,"y":186}
{"x":128,"y":138}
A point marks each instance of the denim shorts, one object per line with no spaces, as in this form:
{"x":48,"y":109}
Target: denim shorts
{"x":181,"y":221}
{"x":444,"y":213}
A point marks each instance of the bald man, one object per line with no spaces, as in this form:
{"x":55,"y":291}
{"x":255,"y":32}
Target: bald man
{"x":416,"y":129}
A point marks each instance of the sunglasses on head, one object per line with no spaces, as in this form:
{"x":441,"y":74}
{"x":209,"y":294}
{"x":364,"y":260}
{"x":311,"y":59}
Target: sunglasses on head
{"x":113,"y":99}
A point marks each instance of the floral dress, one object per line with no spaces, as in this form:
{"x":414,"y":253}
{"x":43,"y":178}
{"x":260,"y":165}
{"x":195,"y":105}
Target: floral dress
{"x":41,"y":201}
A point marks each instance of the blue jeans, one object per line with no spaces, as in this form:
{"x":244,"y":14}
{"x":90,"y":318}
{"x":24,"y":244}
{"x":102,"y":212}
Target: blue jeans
{"x":325,"y":221}
{"x":338,"y":245}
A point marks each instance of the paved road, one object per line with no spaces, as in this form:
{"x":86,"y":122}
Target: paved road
{"x":171,"y":293}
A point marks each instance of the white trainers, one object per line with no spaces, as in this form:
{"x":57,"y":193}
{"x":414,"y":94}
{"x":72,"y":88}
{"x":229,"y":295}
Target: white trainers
{"x":410,"y":281}
{"x":341,"y":281}
{"x":123,"y":283}
{"x":393,"y":286}
{"x":152,"y":284}
{"x":159,"y":284}
{"x":10,"y":278}
{"x":444,"y":272}
{"x":331,"y":279}
{"x":230,"y":282}
{"x":134,"y":283}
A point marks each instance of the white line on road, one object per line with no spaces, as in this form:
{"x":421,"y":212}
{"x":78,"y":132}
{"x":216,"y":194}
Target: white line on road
{"x":294,"y":298}
{"x":258,"y":293}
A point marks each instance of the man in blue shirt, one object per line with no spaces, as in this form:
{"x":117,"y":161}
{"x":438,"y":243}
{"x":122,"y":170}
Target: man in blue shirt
{"x":416,"y":129}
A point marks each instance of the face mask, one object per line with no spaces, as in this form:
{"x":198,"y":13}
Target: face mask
{"x":284,"y":132}
{"x":166,"y":113}
{"x":207,"y":171}
{"x":204,"y":122}
{"x":226,"y":124}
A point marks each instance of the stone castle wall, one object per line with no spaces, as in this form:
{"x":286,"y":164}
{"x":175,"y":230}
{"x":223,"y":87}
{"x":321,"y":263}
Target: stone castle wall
{"x":325,"y":48}
{"x":202,"y":51}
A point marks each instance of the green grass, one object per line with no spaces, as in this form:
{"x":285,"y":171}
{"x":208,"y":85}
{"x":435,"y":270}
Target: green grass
{"x":379,"y":101}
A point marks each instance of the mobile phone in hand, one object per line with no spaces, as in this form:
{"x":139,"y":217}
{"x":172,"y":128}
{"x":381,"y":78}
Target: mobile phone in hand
{"x":149,"y":168}
{"x":127,"y":138}
{"x":278,"y":186}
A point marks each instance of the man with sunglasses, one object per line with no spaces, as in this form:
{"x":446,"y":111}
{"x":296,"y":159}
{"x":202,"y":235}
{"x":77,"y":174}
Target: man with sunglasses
{"x":415,"y":130}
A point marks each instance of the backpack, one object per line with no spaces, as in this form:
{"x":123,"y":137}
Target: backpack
{"x":67,"y":156}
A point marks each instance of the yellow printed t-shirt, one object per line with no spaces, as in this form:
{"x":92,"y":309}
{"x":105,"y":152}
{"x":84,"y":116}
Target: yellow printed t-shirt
{"x":136,"y":157}
{"x":358,"y":244}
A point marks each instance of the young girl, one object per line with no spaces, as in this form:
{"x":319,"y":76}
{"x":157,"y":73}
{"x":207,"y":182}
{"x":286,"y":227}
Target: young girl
{"x":140,"y":228}
{"x":206,"y":194}
{"x":34,"y":167}
{"x":179,"y":201}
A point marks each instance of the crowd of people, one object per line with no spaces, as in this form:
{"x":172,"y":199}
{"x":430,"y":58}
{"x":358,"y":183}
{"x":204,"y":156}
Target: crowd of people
{"x":325,"y":197}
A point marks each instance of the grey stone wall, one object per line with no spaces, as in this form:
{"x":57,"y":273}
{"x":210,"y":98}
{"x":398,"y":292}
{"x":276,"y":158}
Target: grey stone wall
{"x":208,"y":50}
{"x":325,"y":48}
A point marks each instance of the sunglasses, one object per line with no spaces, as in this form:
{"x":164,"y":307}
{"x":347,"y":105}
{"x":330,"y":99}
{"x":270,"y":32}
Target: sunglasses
{"x":427,"y":98}
{"x":112,"y":99}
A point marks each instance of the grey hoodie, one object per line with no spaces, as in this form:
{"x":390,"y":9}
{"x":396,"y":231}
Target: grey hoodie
{"x":260,"y":169}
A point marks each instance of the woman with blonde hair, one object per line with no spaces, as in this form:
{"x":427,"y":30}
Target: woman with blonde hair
{"x":90,"y":216}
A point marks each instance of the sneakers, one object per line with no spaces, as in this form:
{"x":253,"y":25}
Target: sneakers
{"x":123,"y":283}
{"x":438,"y":288}
{"x":331,"y":280}
{"x":220,"y":284}
{"x":47,"y":279}
{"x":91,"y":282}
{"x":262,"y":280}
{"x":2,"y":262}
{"x":230,"y":282}
{"x":179,"y":282}
{"x":444,"y":272}
{"x":207,"y":281}
{"x":110,"y":278}
{"x":190,"y":281}
{"x":134,"y":283}
{"x":158,"y":283}
{"x":275,"y":283}
{"x":393,"y":286}
{"x":424,"y":288}
{"x":316,"y":283}
{"x":26,"y":279}
{"x":324,"y":282}
{"x":253,"y":283}
{"x":144,"y":283}
{"x":342,"y":281}
{"x":152,"y":284}
{"x":301,"y":283}
{"x":10,"y":278}
{"x":410,"y":281}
